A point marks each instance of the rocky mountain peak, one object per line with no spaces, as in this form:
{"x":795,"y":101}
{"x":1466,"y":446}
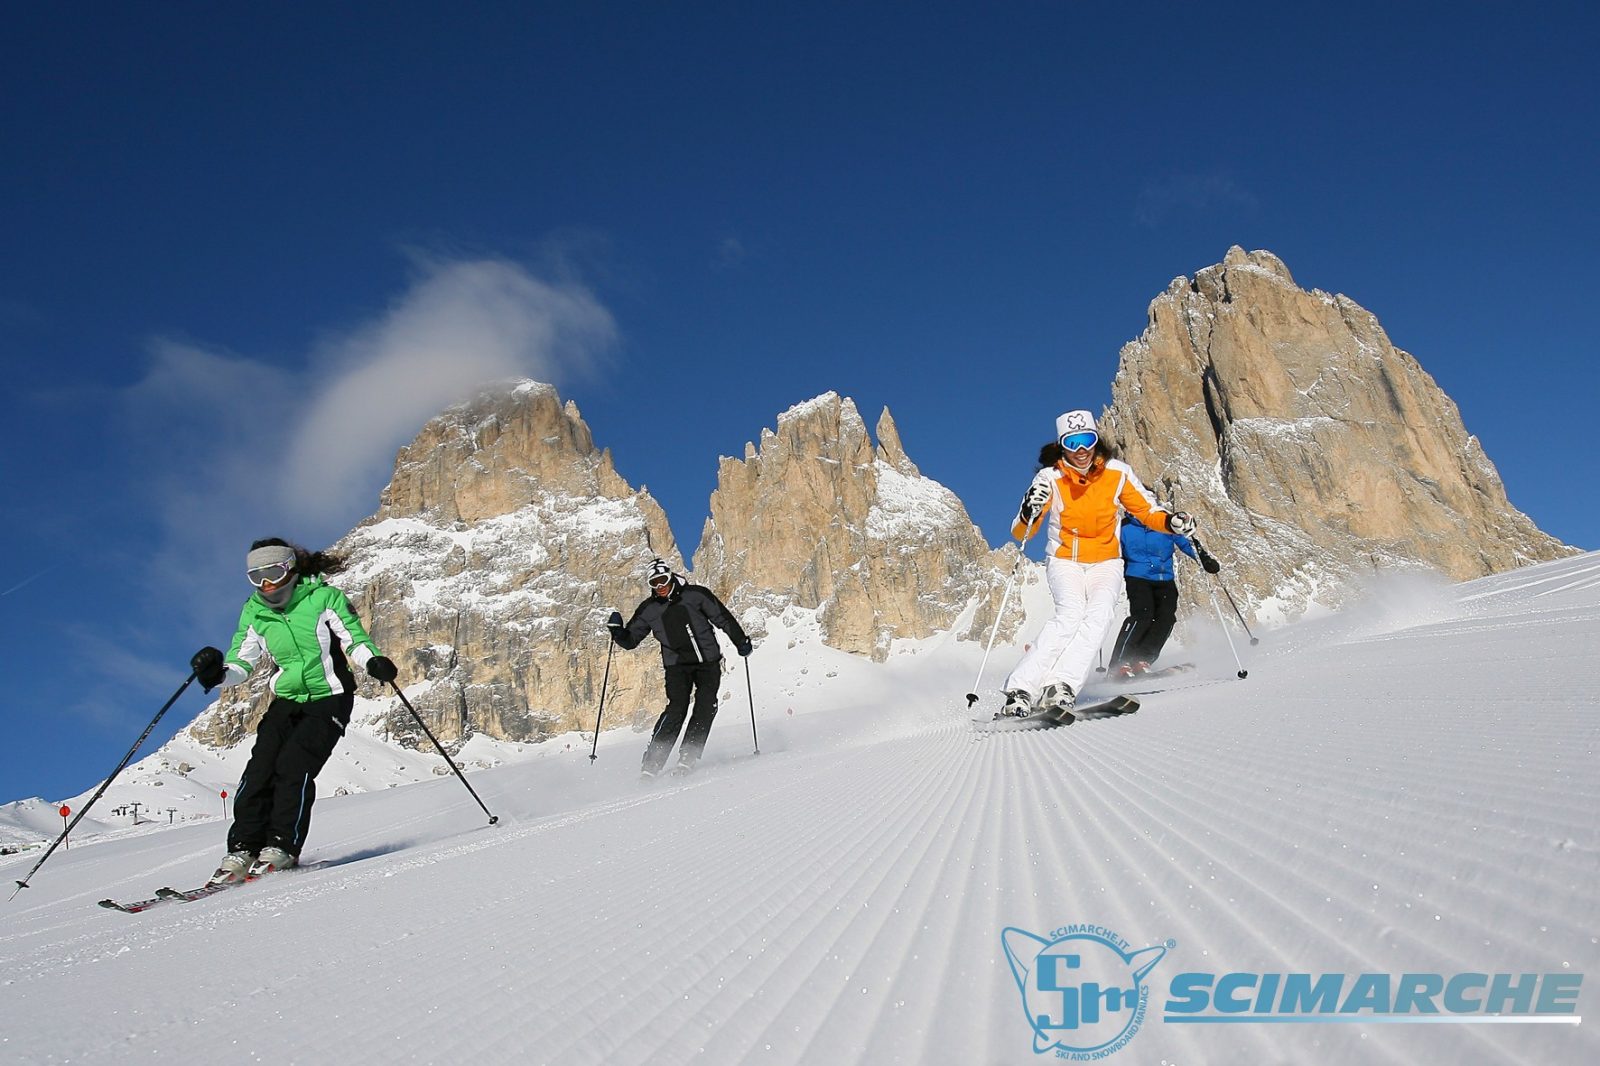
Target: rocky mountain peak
{"x":1311,"y":448}
{"x":492,"y":454}
{"x":819,"y":517}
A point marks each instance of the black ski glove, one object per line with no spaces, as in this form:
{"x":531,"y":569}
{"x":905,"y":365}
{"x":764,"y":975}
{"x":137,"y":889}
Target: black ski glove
{"x":744,"y":647}
{"x":1209,"y":563}
{"x":208,"y":668}
{"x":382,"y":668}
{"x":614,"y":624}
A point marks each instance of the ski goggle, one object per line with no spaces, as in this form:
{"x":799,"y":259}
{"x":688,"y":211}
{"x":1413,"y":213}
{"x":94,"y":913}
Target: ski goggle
{"x":1073,"y":442}
{"x":271,"y":574}
{"x":661,"y":581}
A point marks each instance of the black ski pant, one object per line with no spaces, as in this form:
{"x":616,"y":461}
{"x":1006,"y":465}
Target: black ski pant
{"x":1152,"y":612}
{"x":701,"y":679}
{"x":273,"y":806}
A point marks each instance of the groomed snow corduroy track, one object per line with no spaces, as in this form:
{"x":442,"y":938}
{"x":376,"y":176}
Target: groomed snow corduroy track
{"x":1404,"y":789}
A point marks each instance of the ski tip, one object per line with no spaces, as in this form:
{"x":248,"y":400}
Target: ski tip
{"x":110,"y":904}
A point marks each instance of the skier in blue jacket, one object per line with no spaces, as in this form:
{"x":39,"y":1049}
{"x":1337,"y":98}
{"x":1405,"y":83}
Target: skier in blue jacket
{"x":1152,"y":594}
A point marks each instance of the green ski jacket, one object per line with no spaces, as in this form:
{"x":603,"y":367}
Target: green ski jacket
{"x":309,"y":640}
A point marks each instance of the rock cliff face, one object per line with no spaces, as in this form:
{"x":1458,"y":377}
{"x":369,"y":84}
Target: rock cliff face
{"x":1311,"y":449}
{"x":501,"y":543}
{"x":817,"y":517}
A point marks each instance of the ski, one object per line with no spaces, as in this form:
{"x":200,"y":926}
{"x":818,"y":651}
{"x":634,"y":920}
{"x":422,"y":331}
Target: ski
{"x":133,"y":906}
{"x":1009,"y":723}
{"x":189,"y":895}
{"x":1112,"y":708}
{"x":166,"y":895}
{"x":1165,"y":671}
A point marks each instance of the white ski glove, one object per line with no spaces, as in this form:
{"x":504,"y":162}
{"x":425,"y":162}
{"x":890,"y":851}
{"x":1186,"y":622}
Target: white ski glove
{"x":1034,"y":499}
{"x":1181,"y":523}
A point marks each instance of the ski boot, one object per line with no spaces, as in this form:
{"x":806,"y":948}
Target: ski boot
{"x":271,"y":859}
{"x":235,"y":866}
{"x":1018,"y":704}
{"x":1058,"y":700}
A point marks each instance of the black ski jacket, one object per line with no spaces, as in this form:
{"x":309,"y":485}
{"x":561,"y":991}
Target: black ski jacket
{"x":682,"y":624}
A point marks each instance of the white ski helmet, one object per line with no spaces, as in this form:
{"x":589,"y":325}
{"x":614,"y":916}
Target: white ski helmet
{"x":659,"y":570}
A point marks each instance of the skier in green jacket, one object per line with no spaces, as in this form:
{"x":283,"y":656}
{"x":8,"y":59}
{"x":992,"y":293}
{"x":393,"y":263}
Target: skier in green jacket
{"x":308,"y":629}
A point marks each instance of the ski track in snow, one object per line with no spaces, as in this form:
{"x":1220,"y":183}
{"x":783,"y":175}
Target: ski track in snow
{"x":1386,"y":797}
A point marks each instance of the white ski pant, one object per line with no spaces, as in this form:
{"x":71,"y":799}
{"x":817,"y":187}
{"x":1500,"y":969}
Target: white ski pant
{"x":1085,"y":595}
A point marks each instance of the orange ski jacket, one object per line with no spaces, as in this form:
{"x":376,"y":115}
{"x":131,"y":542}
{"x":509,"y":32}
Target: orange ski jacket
{"x":1085,"y":510}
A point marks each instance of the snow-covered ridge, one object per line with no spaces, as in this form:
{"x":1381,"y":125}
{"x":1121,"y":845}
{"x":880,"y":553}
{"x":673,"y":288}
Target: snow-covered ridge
{"x":907,"y":506}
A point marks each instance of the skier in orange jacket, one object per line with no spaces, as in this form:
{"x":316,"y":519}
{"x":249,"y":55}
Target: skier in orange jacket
{"x":1079,"y":495}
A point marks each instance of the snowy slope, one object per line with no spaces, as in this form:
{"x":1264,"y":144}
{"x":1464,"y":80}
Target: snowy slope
{"x":1409,"y":786}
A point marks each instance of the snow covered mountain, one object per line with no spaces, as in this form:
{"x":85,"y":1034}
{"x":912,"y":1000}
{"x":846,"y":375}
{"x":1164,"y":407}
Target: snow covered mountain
{"x":820,"y":518}
{"x":1401,"y":793}
{"x":505,"y":538}
{"x":1313,"y":451}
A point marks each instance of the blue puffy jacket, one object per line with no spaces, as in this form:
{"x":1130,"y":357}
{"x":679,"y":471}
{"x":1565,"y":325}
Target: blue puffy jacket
{"x":1147,"y":554}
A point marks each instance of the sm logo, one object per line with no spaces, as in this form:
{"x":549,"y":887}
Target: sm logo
{"x":1082,"y":990}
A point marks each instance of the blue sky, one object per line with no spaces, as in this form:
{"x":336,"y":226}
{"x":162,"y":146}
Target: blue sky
{"x":233,"y":242}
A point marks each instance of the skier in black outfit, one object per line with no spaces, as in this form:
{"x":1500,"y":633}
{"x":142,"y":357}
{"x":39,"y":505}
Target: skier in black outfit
{"x":681,"y":616}
{"x":1152,"y":588}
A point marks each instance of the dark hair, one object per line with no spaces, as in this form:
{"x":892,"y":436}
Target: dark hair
{"x":305,"y":562}
{"x":1053,"y":453}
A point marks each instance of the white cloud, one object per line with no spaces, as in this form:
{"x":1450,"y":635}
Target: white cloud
{"x":235,"y":448}
{"x":461,"y":325}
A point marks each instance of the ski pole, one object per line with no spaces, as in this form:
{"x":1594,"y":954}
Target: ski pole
{"x":22,"y":884}
{"x":1254,"y":640}
{"x":972,"y":697}
{"x":492,"y":818}
{"x":751,"y":693}
{"x":1243,"y":673}
{"x":610,"y":647}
